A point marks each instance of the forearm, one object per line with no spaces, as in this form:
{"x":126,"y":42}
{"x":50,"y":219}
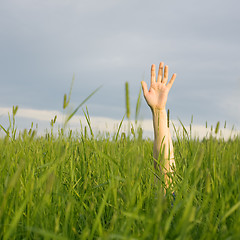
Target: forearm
{"x":162,"y":140}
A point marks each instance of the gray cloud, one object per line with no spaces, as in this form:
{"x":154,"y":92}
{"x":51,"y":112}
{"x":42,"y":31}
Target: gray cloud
{"x":42,"y":43}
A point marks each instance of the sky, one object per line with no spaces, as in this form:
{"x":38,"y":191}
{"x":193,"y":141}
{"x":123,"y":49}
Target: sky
{"x":43,"y":43}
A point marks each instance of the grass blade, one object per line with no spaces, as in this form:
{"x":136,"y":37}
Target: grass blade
{"x":15,"y":220}
{"x":138,"y":105}
{"x":73,"y":113}
{"x":88,"y":122}
{"x":184,"y":129}
{"x":120,"y":125}
{"x":4,"y":129}
{"x":231,"y":211}
{"x":127,"y":100}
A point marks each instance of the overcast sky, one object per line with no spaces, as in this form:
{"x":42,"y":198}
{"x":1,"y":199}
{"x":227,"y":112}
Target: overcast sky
{"x":108,"y":42}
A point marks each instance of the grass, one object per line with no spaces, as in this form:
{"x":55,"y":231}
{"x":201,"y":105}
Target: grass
{"x":80,"y":186}
{"x":77,"y":186}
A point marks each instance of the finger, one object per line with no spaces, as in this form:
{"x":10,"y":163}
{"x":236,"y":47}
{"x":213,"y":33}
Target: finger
{"x":165,"y":77}
{"x":144,"y":88}
{"x":153,"y":74}
{"x":169,"y":85}
{"x":160,"y":72}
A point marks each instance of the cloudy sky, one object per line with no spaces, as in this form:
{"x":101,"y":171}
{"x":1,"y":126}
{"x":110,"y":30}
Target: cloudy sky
{"x":108,"y":42}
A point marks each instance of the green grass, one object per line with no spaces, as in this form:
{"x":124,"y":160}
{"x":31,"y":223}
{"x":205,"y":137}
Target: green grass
{"x":77,"y":186}
{"x":85,"y":186}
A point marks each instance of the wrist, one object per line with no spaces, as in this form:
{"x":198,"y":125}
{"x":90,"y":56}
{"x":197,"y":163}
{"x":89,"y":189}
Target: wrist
{"x":156,"y":111}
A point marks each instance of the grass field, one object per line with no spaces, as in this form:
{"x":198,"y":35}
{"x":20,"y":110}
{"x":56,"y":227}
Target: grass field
{"x":75,"y":185}
{"x":81,"y":186}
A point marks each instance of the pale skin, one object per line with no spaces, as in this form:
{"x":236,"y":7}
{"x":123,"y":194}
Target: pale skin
{"x":156,"y":98}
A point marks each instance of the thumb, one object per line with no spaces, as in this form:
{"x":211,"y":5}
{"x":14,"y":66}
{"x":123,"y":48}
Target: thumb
{"x":144,"y":88}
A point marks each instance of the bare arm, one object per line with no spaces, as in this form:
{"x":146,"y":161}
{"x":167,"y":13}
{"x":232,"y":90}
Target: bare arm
{"x":156,"y":98}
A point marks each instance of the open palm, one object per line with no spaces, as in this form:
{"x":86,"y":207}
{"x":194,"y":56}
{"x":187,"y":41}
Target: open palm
{"x":157,"y":94}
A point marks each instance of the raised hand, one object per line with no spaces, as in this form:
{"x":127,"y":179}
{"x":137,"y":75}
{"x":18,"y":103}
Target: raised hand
{"x":157,"y":94}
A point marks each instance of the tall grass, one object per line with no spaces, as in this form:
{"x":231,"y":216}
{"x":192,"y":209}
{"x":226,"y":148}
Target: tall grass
{"x":78,"y":186}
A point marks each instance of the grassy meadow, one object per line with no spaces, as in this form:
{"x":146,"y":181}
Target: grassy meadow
{"x":75,"y":185}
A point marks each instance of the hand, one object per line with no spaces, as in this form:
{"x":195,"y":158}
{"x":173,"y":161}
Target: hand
{"x":157,"y":95}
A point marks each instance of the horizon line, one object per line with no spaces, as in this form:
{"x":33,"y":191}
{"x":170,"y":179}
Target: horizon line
{"x":106,"y":124}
